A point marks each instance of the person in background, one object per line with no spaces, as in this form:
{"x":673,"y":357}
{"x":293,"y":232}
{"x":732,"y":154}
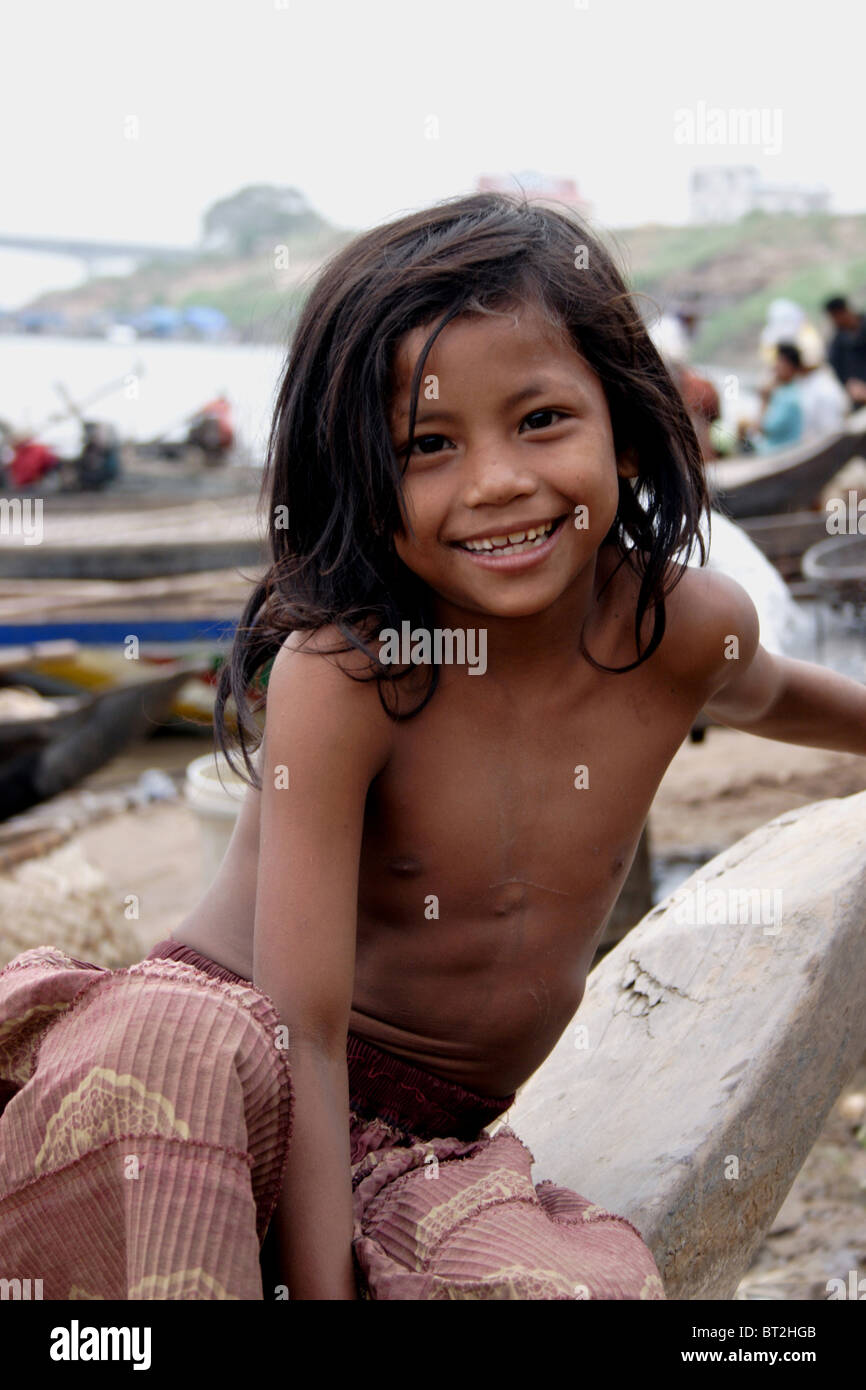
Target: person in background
{"x":788,"y":322}
{"x":672,"y":335}
{"x":782,"y":420}
{"x":847,"y":350}
{"x":26,"y":462}
{"x":704,"y":407}
{"x":98,"y":464}
{"x":823,"y":399}
{"x":212,"y":428}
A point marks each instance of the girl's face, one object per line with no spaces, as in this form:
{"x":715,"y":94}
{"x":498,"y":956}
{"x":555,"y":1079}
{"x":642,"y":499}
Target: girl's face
{"x":513,"y":480}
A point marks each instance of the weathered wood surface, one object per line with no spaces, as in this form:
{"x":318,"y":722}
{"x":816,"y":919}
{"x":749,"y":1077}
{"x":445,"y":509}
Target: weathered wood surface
{"x":210,"y":591}
{"x":129,"y":560}
{"x":785,"y":538}
{"x":136,"y":541}
{"x":760,"y":484}
{"x":714,"y":1048}
{"x":137,"y":522}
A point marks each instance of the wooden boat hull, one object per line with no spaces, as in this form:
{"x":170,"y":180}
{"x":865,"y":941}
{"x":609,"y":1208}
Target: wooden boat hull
{"x":134,"y":542}
{"x":83,"y":740}
{"x":696,"y":1042}
{"x":786,"y":534}
{"x":792,"y":479}
{"x":785,"y":538}
{"x":125,"y":561}
{"x":78,"y":631}
{"x":95,"y":668}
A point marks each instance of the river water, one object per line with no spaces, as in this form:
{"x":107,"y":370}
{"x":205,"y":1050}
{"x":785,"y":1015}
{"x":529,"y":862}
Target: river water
{"x":159,"y":383}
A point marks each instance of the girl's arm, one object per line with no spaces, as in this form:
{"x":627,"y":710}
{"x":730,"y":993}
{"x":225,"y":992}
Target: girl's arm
{"x":326,"y":738}
{"x":774,"y":696}
{"x":795,"y":702}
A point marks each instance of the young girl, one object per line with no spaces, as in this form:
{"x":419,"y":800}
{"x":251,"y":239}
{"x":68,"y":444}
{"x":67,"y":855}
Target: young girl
{"x":486,"y":651}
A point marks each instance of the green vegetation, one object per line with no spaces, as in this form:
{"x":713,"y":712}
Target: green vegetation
{"x":734,"y":328}
{"x":729,"y":272}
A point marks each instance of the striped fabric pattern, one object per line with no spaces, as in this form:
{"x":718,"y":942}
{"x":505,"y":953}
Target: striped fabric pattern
{"x":146,"y":1130}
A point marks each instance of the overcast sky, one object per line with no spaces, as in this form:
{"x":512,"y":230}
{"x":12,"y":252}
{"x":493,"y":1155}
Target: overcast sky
{"x":335,"y":97}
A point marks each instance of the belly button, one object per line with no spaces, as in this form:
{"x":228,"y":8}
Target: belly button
{"x":510,"y":898}
{"x":405,"y":868}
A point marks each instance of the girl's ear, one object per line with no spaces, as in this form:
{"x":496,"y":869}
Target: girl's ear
{"x":627,"y":462}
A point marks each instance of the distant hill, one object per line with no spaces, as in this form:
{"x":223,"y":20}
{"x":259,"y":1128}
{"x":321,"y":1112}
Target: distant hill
{"x":258,"y":251}
{"x":733,"y":271}
{"x":261,"y":249}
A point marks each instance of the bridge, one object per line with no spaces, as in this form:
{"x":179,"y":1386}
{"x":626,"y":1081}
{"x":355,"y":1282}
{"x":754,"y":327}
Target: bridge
{"x":97,"y":253}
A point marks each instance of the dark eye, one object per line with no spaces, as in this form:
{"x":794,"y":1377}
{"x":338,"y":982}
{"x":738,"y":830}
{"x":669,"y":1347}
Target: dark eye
{"x":437,"y":439}
{"x":544,"y":424}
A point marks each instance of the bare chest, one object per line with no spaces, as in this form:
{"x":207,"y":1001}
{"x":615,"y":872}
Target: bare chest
{"x":488,"y":811}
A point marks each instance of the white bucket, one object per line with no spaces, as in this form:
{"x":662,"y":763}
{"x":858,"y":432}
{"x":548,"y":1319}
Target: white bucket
{"x":215,"y":793}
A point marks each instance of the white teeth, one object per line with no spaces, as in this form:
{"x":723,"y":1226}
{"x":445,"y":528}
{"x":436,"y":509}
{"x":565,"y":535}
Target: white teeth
{"x":513,"y":544}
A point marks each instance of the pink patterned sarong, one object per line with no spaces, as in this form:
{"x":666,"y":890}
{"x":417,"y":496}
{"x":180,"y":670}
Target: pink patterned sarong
{"x":147,"y":1125}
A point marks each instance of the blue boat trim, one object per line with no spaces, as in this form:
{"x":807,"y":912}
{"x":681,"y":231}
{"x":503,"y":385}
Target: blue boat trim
{"x":94,"y":634}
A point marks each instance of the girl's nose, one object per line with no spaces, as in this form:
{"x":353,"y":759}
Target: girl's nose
{"x":493,"y":477}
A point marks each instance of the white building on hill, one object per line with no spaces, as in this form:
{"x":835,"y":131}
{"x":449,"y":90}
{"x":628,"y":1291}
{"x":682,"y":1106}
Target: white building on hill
{"x":725,"y":193}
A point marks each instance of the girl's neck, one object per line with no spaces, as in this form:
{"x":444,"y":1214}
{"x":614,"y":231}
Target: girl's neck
{"x":542,"y":644}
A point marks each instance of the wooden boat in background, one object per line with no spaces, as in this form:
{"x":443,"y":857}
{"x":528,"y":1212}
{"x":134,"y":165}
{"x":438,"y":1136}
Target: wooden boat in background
{"x":785,"y":538}
{"x":127,"y":543}
{"x":764,"y":484}
{"x":41,"y":757}
{"x":201,"y":600}
{"x":97,"y":668}
{"x":78,"y":631}
{"x":152,"y":484}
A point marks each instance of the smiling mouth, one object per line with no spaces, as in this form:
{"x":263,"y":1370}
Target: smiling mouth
{"x":514,"y":542}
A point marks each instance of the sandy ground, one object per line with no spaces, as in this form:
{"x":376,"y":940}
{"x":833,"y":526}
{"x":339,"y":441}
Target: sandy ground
{"x":154,"y":851}
{"x":717,"y":791}
{"x":713,"y":794}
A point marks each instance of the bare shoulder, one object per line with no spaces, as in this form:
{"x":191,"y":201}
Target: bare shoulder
{"x":709,"y":617}
{"x":710,"y":621}
{"x":325,"y":648}
{"x":322,"y":693}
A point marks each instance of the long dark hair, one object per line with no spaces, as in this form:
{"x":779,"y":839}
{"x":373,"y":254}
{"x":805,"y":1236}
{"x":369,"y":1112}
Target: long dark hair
{"x":333,"y":482}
